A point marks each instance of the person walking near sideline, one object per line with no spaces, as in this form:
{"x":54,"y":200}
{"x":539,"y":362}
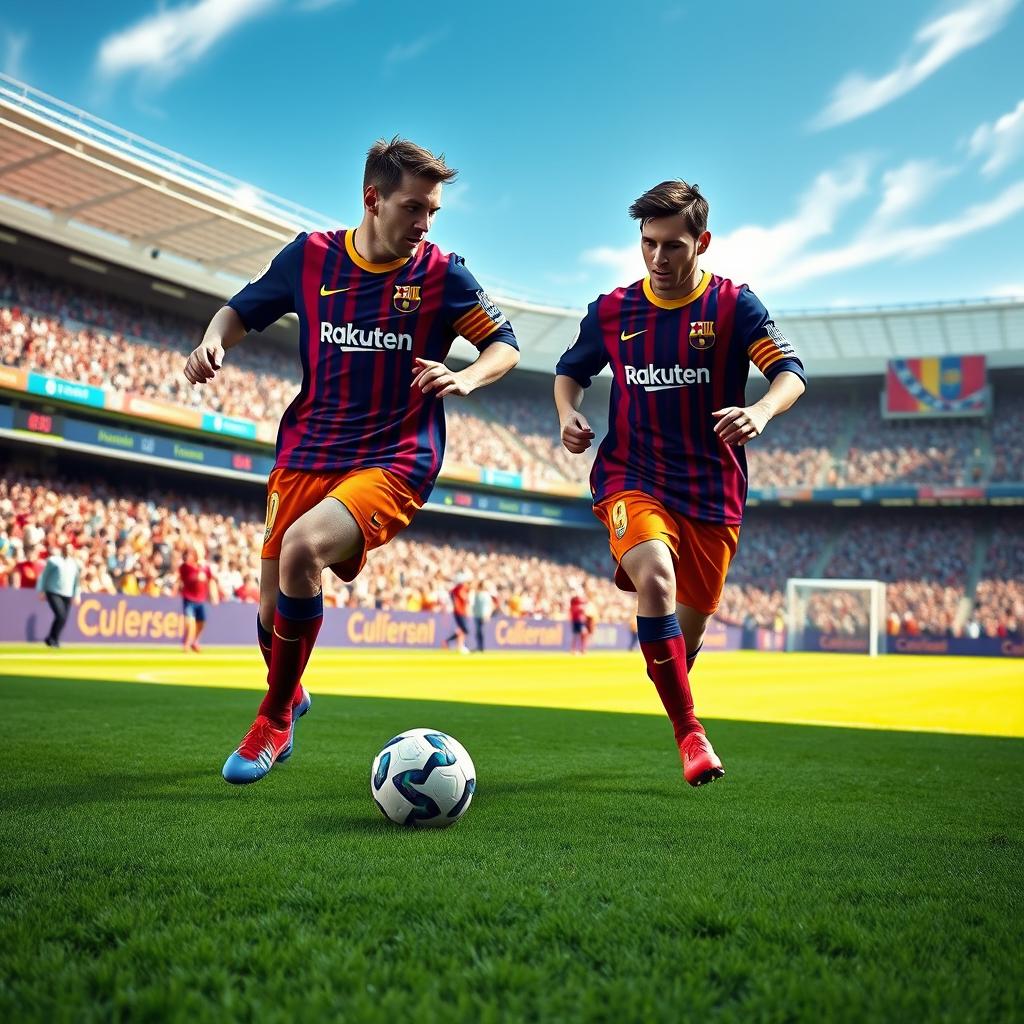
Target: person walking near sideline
{"x":58,"y":585}
{"x":483,"y":608}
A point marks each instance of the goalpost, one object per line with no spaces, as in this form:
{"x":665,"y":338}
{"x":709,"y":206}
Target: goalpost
{"x":835,"y":615}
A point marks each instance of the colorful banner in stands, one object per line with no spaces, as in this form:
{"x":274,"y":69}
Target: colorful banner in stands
{"x":161,"y":412}
{"x":110,"y":618}
{"x":12,"y":378}
{"x":65,"y":390}
{"x":936,"y":386}
{"x":229,"y":425}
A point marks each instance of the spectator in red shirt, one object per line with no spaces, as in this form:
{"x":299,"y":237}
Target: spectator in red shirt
{"x":26,"y":573}
{"x":578,"y":617}
{"x":460,"y":609}
{"x":198,"y":585}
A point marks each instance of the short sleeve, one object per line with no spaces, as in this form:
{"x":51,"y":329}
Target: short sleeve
{"x":470,"y":311}
{"x":766,"y":346}
{"x":271,"y":293}
{"x":586,"y":357}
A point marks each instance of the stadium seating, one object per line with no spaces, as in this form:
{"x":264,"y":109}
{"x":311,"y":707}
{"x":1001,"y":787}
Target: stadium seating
{"x":133,"y":542}
{"x":825,"y":440}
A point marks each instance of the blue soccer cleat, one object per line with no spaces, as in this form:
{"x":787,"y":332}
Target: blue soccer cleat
{"x":257,"y":753}
{"x":298,"y":710}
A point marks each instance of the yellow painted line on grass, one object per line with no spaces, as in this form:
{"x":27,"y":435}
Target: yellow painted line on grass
{"x":983,"y":696}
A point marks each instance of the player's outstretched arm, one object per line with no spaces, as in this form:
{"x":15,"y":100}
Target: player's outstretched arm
{"x":225,"y":331}
{"x":577,"y":435}
{"x":739,"y":425}
{"x":492,"y":364}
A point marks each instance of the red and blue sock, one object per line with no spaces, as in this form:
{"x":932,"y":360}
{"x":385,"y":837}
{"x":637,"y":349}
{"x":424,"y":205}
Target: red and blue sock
{"x":297,"y":622}
{"x":664,"y":650}
{"x":691,"y":656}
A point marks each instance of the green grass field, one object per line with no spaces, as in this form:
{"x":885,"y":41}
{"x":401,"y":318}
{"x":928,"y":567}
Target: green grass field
{"x":835,"y":874}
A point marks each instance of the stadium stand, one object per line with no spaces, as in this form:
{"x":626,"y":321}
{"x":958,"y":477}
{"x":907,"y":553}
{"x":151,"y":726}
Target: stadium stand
{"x":831,"y":438}
{"x":131,"y":541}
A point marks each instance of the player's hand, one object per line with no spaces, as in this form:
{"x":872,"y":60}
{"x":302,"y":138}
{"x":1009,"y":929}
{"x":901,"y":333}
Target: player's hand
{"x":577,"y":435}
{"x":435,"y":378}
{"x":204,"y":362}
{"x":738,"y":426}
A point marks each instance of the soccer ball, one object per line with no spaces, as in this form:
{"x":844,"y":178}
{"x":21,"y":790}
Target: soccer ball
{"x":424,"y":778}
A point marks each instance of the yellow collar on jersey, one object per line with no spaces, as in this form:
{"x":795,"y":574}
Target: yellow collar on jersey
{"x":373,"y":268}
{"x":705,"y":280}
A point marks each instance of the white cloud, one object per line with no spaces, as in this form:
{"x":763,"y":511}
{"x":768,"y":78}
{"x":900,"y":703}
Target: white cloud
{"x":781,"y":256}
{"x":908,"y":242}
{"x":401,"y":52}
{"x":753,"y":251}
{"x":164,"y":44}
{"x":1001,"y":143}
{"x":1010,"y":290}
{"x":935,"y":43}
{"x":14,"y":44}
{"x":907,"y":186}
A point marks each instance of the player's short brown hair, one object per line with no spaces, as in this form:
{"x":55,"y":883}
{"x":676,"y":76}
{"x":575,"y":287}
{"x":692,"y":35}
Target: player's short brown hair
{"x":671,"y":198}
{"x":387,"y":161}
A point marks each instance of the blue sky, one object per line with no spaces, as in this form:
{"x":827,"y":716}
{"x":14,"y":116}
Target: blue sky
{"x":853,"y":154}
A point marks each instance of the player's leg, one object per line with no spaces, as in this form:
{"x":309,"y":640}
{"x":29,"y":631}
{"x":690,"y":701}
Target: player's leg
{"x":705,"y":553}
{"x":53,"y":636}
{"x":650,"y":565}
{"x":301,"y":700}
{"x":693,"y":624}
{"x":269,"y":587}
{"x":189,"y":612}
{"x":326,"y":535}
{"x":200,"y":625}
{"x":644,"y":539}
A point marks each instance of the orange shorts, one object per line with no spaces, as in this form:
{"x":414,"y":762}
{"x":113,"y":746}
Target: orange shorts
{"x":701,"y":552}
{"x":379,"y":502}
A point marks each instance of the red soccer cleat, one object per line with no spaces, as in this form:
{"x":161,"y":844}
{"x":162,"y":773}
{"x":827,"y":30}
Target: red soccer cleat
{"x":700,"y":762}
{"x":256,"y":754}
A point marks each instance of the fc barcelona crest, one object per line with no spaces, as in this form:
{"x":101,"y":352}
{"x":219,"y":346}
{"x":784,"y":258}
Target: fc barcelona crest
{"x":620,"y":519}
{"x":407,"y":297}
{"x":702,"y":334}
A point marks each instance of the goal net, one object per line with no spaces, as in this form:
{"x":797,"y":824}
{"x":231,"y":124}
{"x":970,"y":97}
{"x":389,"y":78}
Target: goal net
{"x":835,"y":615}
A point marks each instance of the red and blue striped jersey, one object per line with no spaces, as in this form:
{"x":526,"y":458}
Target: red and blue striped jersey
{"x":673,"y":363}
{"x":361,"y":324}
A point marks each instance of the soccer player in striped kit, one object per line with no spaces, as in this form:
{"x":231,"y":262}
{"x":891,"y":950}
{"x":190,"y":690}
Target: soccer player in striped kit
{"x":670,"y":478}
{"x":359,"y":448}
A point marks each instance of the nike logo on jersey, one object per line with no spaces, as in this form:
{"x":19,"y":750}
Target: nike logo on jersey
{"x":325,"y":291}
{"x":662,"y":661}
{"x":626,"y":337}
{"x":375,"y":521}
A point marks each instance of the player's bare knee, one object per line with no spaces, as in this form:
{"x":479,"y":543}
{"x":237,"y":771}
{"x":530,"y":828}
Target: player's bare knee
{"x":300,"y":556}
{"x":657,"y":583}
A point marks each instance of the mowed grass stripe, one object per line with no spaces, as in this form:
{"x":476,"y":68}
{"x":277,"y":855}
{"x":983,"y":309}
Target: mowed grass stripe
{"x":982,"y":696}
{"x":834,"y":874}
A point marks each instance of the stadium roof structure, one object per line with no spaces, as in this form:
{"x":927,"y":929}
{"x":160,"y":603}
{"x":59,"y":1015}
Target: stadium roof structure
{"x":73,"y":179}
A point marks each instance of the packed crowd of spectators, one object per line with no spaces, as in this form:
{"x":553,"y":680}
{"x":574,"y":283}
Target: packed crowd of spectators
{"x":905,"y":451}
{"x":999,"y":607}
{"x":1008,"y":435}
{"x":796,"y":449}
{"x":110,"y":343}
{"x":924,"y":567}
{"x":133,"y":543}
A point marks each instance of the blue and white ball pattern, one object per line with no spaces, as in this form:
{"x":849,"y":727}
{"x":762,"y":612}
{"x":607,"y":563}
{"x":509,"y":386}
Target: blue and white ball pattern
{"x":423,"y":778}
